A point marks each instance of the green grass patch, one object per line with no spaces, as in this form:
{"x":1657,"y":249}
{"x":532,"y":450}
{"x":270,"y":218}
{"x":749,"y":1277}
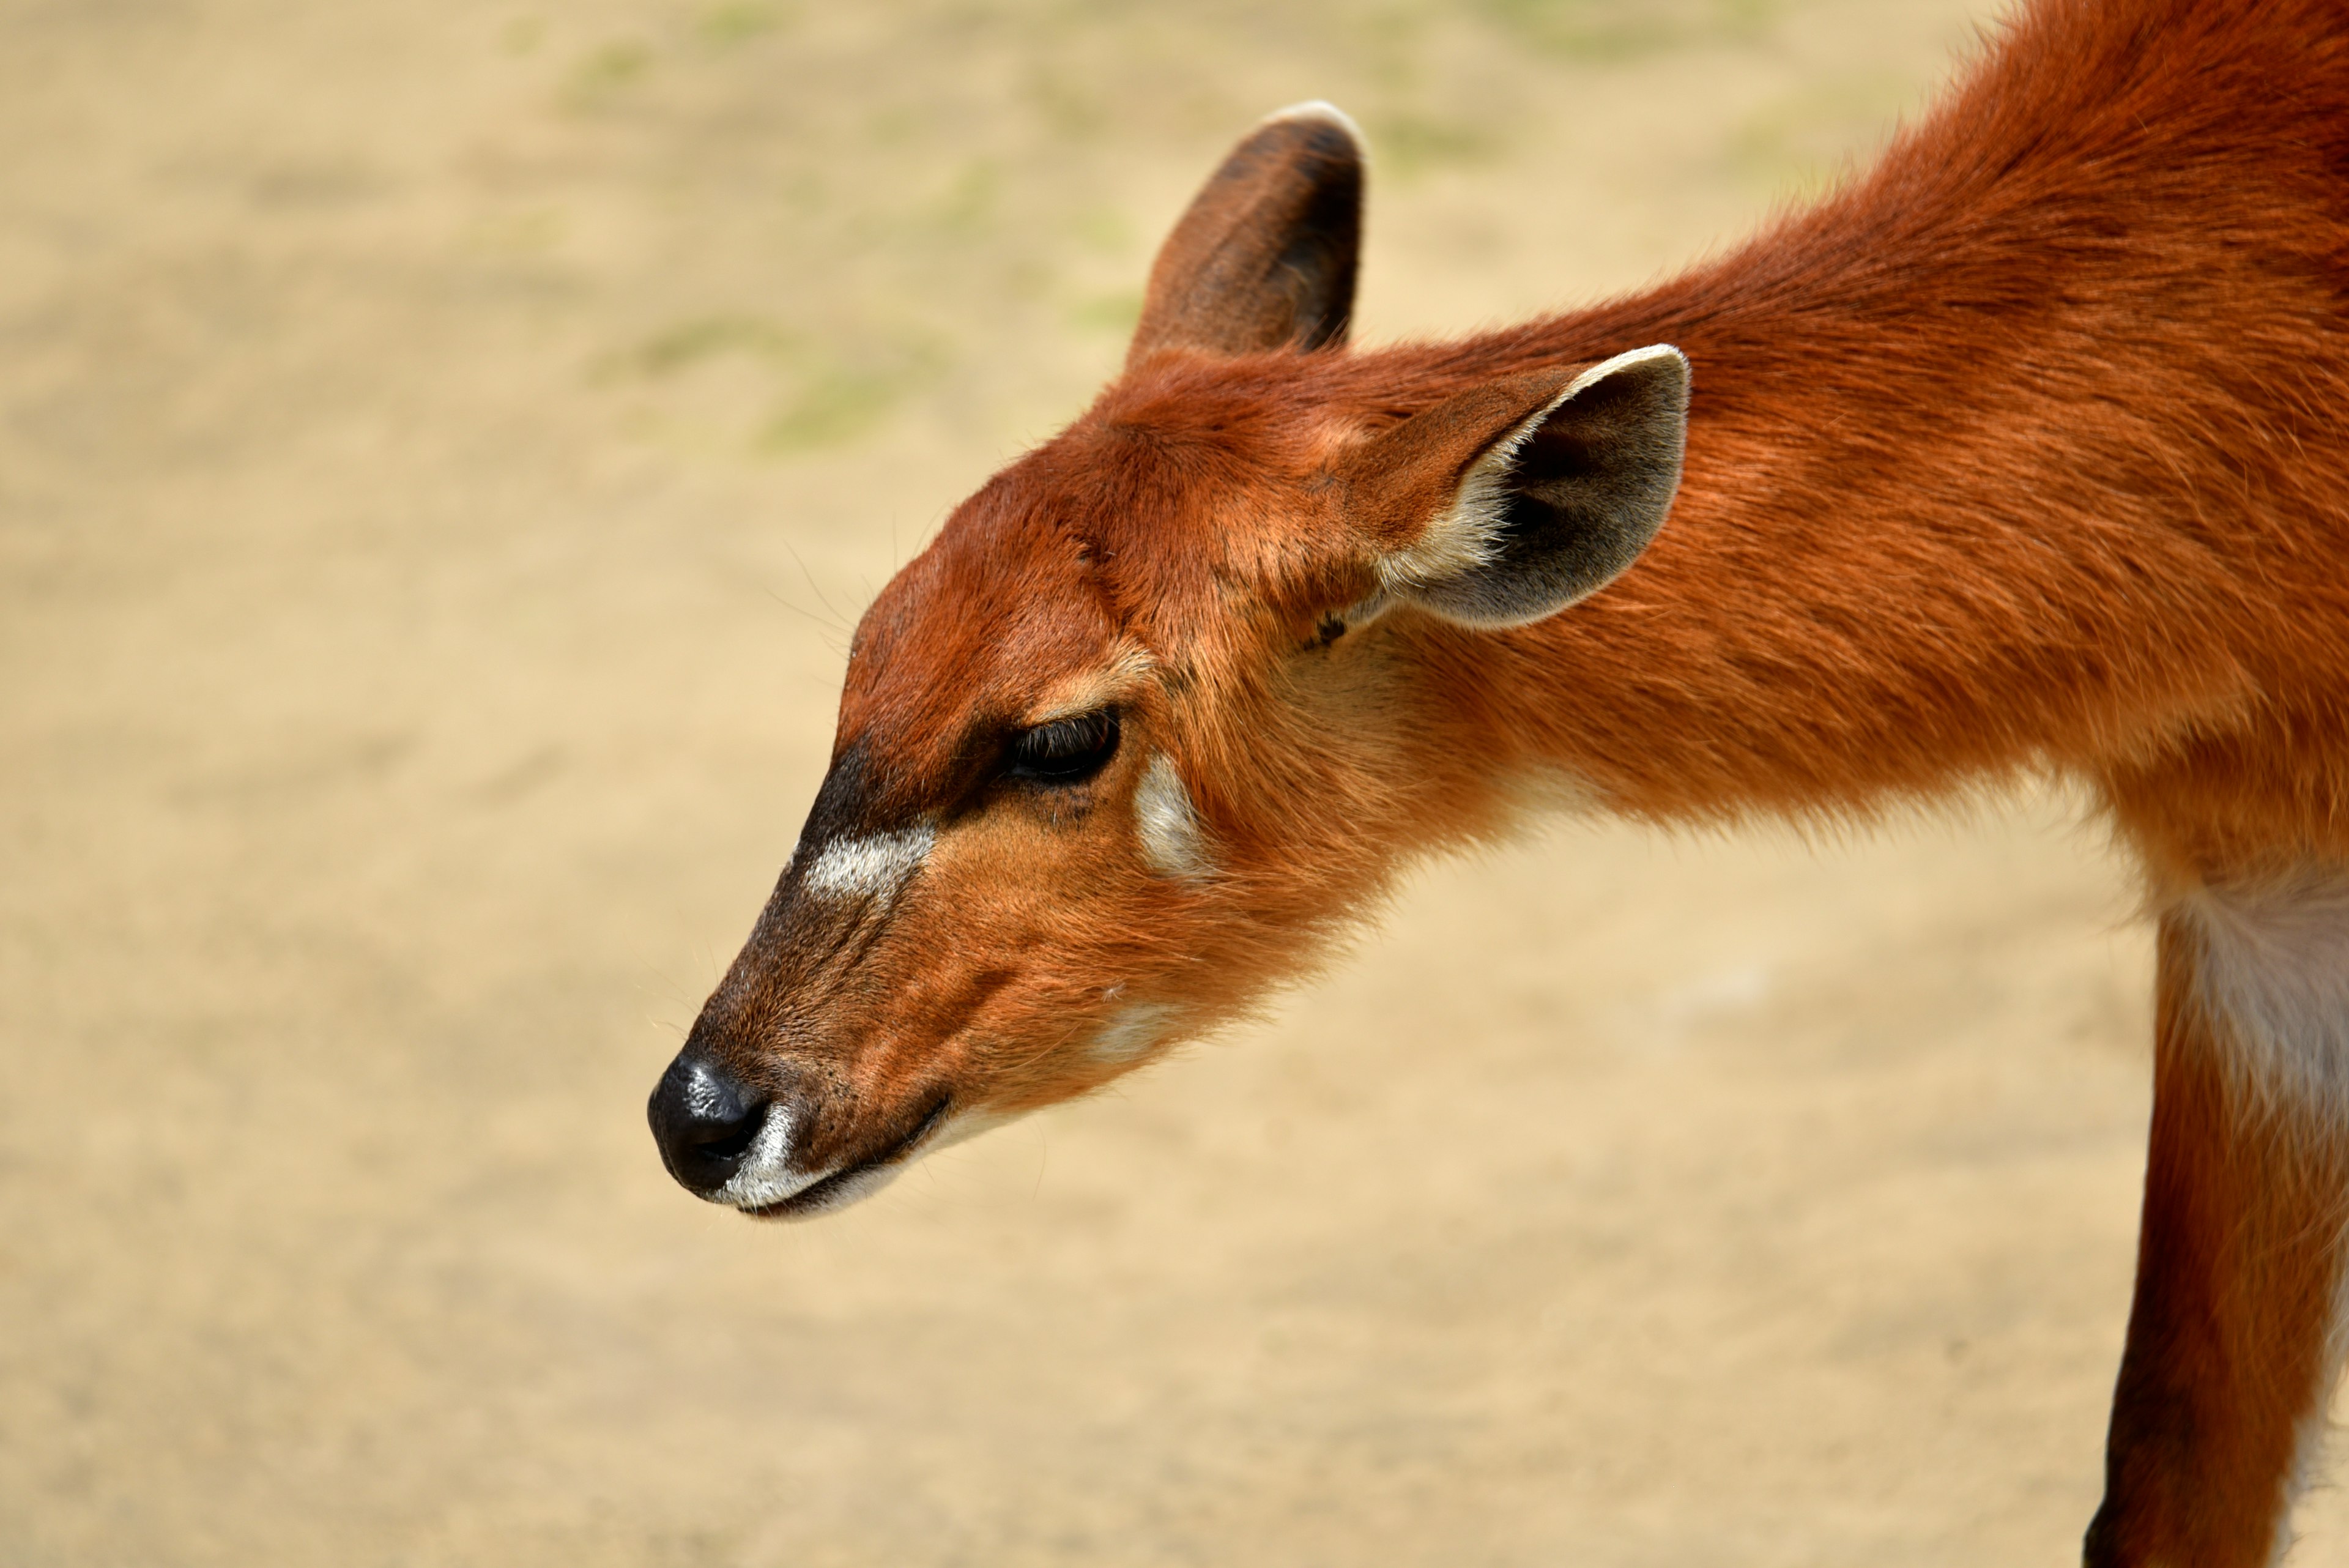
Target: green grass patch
{"x":606,"y":72}
{"x":740,"y":22}
{"x":823,"y":394}
{"x":1410,"y":145}
{"x":1112,"y":313}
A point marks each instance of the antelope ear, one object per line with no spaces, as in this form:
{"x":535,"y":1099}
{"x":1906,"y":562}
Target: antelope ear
{"x":1264,"y":257}
{"x":1508,"y":503}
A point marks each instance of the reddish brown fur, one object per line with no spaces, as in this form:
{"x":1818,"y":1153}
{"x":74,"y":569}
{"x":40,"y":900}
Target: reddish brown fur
{"x":2021,"y":453}
{"x":2240,"y":1262}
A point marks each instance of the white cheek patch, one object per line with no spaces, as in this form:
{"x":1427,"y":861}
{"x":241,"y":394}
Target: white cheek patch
{"x":1172,"y":841}
{"x":873,"y":867}
{"x":2274,"y":974}
{"x":1133,"y":1033}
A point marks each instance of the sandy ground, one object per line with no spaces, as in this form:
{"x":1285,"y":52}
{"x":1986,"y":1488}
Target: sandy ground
{"x":441,"y":448}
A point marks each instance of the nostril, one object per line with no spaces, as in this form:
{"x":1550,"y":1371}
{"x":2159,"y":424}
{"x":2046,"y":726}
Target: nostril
{"x":730,"y":1145}
{"x":704,"y":1121}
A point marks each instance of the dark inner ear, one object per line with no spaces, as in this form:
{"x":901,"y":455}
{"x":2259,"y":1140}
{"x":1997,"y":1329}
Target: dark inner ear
{"x":1317,"y":268}
{"x":1565,"y":514}
{"x":1266,"y":255}
{"x":1579,"y":496}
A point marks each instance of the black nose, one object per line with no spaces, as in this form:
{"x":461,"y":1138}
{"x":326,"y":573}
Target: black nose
{"x":704,"y":1122}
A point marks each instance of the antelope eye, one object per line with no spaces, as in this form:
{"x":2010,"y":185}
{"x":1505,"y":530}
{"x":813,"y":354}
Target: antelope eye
{"x":1066,"y":751}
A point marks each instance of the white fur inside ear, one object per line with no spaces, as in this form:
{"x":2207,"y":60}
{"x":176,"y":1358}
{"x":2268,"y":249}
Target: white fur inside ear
{"x":1172,"y":840}
{"x":1465,"y":535}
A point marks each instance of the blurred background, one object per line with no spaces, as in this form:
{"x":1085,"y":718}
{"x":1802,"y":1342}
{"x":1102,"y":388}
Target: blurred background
{"x":442,"y":449}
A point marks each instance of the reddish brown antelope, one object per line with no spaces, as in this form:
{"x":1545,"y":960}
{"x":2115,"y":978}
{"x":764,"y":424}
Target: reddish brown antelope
{"x":2021,"y":455}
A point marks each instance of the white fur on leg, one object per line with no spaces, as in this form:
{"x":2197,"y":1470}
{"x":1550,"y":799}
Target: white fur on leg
{"x":2273,"y":976}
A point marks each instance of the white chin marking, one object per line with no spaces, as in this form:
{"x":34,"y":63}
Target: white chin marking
{"x":765,"y":1175}
{"x":856,"y":1189}
{"x":1133,"y":1033}
{"x":1172,"y":841}
{"x":873,"y":867}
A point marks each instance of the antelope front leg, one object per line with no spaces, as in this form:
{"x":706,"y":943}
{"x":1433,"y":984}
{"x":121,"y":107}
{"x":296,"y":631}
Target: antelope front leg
{"x":2234,"y":1337}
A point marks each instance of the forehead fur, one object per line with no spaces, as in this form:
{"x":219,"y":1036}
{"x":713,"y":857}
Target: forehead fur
{"x":1202,"y":464}
{"x":1005,"y":599}
{"x":1189,"y":490}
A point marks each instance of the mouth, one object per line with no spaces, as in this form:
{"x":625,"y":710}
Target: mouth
{"x":852,"y":1182}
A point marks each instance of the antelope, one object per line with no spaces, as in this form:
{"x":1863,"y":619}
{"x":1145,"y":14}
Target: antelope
{"x":2017,"y":455}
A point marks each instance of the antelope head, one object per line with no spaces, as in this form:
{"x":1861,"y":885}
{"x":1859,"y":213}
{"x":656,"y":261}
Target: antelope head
{"x":1166,"y":703}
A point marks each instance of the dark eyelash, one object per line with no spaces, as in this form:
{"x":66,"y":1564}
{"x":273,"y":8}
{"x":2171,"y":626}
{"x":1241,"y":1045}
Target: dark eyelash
{"x":1066,"y":751}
